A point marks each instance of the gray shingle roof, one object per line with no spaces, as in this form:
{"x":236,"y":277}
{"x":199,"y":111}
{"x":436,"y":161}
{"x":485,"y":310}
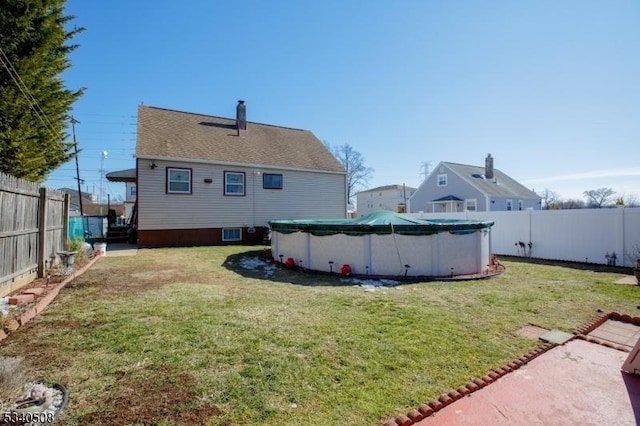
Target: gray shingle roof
{"x":385,"y":187}
{"x":182,"y":135}
{"x":500,"y":186}
{"x":128,"y":175}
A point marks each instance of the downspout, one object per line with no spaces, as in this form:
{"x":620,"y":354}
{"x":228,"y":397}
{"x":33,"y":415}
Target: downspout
{"x":346,"y":195}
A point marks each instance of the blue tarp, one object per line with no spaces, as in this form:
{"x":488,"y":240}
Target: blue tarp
{"x":76,"y":228}
{"x":87,"y":227}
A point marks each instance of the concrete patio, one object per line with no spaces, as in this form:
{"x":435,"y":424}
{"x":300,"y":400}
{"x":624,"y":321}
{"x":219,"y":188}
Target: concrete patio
{"x":581,"y":378}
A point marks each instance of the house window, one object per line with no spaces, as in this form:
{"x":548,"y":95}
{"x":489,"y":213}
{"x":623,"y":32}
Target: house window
{"x":471,"y":205}
{"x":271,"y":181}
{"x":178,"y":181}
{"x":233,"y":183}
{"x":509,"y":205}
{"x":132,"y":191}
{"x":520,"y":204}
{"x":231,"y":234}
{"x":442,"y":180}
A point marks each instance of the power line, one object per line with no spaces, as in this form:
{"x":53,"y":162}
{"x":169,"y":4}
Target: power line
{"x":15,"y":76}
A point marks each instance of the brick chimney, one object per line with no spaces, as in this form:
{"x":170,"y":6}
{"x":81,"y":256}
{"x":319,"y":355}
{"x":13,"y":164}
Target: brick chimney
{"x":488,"y":167}
{"x":241,"y":116}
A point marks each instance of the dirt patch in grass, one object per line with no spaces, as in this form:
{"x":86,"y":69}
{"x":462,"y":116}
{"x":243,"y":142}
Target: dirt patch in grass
{"x":143,"y":401}
{"x":134,"y":280}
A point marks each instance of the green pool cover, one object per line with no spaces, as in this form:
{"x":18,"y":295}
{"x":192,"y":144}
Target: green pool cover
{"x":380,"y":223}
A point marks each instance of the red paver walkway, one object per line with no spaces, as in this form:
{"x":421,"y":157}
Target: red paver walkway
{"x":578,"y":383}
{"x":619,"y":333}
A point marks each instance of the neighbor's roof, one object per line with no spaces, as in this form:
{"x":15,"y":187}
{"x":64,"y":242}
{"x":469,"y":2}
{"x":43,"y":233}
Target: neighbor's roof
{"x":128,"y":175}
{"x":449,"y":198}
{"x":388,"y":187}
{"x":167,"y":133}
{"x":501,"y":185}
{"x":102,"y":209}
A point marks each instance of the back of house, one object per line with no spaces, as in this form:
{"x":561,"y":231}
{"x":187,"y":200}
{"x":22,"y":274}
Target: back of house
{"x":206,"y":180}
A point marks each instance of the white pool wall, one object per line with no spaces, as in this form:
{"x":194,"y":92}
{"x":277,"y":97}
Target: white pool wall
{"x":428,"y":255}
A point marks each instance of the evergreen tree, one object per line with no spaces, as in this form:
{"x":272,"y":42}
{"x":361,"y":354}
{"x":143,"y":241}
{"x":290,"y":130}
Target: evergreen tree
{"x":34,"y":103}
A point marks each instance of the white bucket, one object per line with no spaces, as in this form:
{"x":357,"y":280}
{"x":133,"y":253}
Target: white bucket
{"x":99,"y":249}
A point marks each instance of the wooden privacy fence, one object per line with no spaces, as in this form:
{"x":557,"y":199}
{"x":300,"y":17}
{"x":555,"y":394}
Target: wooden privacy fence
{"x":33,"y":229}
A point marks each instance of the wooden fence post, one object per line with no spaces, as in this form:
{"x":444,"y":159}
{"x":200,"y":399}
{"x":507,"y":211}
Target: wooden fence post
{"x":42,"y":233}
{"x":65,"y":222}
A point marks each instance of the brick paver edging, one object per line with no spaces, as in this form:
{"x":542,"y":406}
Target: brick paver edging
{"x":426,"y":410}
{"x":43,"y":302}
{"x":431,"y":407}
{"x":582,"y":332}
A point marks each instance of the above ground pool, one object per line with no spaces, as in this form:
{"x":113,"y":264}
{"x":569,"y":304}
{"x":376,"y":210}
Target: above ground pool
{"x":384,"y":244}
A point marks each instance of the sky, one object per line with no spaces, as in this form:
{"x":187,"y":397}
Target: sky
{"x":550,"y":88}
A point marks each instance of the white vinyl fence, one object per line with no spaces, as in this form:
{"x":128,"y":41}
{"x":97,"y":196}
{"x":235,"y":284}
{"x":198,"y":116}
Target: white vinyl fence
{"x":601,"y":236}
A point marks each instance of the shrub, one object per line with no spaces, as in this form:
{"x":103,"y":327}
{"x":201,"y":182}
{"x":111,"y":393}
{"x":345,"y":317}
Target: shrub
{"x":13,"y":378}
{"x":77,"y":245}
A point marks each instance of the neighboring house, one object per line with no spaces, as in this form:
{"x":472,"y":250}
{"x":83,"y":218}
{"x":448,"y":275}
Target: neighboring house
{"x":204,"y":180}
{"x":389,"y":197}
{"x":453,"y":187}
{"x":74,"y":201}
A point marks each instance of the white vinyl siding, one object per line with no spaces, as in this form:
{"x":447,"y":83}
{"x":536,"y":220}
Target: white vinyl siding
{"x":306,"y":195}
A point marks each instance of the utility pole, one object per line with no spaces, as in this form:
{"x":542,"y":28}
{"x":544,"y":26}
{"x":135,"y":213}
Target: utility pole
{"x":103,"y":156}
{"x":75,"y":145}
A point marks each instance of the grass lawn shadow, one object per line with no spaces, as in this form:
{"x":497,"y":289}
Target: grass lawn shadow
{"x":250,"y":264}
{"x":580,"y":266}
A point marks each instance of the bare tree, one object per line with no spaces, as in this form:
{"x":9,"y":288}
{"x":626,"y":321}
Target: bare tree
{"x":631,"y":201}
{"x":599,"y":198}
{"x":358,"y":175}
{"x":550,"y":199}
{"x":571,"y":204}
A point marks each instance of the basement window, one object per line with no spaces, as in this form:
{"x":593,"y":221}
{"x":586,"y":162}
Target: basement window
{"x":231,"y":234}
{"x":178,"y":181}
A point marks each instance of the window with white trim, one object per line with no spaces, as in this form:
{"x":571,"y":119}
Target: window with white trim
{"x":231,"y":234}
{"x":178,"y":181}
{"x":271,"y":181}
{"x":520,"y":204}
{"x":472,"y":205}
{"x":509,"y":205}
{"x":442,"y":180}
{"x":234,"y":183}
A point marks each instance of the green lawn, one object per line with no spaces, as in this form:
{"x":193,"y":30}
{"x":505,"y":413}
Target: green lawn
{"x":189,"y":336}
